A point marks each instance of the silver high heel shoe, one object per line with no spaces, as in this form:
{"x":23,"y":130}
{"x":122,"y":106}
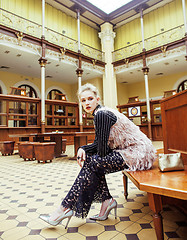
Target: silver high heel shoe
{"x":107,"y":212}
{"x":67,"y":214}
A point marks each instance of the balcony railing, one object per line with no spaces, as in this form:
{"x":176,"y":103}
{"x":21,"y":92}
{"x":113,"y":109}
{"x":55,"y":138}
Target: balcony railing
{"x":150,"y":43}
{"x":34,"y":29}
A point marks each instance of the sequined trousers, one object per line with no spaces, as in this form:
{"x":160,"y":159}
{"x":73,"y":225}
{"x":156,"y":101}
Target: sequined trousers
{"x":90,"y":185}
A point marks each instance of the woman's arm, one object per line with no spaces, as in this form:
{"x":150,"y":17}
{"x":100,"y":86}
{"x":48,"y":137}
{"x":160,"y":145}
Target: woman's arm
{"x":103,"y":119}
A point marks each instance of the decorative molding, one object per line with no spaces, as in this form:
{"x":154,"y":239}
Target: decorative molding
{"x":170,"y":54}
{"x":61,"y":55}
{"x":19,"y":37}
{"x":131,"y":66}
{"x":96,"y":68}
{"x":25,"y":46}
{"x":163,"y":49}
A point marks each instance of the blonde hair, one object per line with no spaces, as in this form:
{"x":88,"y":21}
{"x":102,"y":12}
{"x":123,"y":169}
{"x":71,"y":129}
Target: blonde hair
{"x":88,"y":87}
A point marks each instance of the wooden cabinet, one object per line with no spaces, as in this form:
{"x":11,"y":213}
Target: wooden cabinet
{"x":87,"y":119}
{"x":18,"y":111}
{"x":174,"y":115}
{"x":61,"y":113}
{"x":137,"y":113}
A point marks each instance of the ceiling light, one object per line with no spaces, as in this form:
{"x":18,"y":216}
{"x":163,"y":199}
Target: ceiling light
{"x":48,"y":62}
{"x":176,"y":60}
{"x":18,"y":55}
{"x":57,"y":65}
{"x":7,"y":52}
{"x":48,"y":76}
{"x":124,"y":82}
{"x":166,"y":63}
{"x":5,"y":67}
{"x":159,"y":74}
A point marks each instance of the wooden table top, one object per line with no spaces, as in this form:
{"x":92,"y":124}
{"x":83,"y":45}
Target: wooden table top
{"x":171,"y":184}
{"x":52,"y":134}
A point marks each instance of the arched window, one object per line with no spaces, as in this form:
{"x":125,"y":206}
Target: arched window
{"x":182,"y":86}
{"x":30,"y":92}
{"x":52,"y":93}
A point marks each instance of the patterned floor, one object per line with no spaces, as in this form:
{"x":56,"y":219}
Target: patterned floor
{"x":28,"y":189}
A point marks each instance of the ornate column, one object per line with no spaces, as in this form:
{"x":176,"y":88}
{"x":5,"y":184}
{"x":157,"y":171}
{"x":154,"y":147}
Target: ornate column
{"x":185,"y":24}
{"x":109,"y":78}
{"x":42,"y":62}
{"x":79,"y":70}
{"x":145,"y":70}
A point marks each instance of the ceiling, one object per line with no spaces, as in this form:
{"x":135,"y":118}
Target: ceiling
{"x":163,"y":67}
{"x":26,"y":63}
{"x":95,"y":17}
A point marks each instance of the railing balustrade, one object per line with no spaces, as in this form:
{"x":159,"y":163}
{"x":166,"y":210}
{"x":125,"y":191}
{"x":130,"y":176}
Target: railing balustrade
{"x":34,"y":29}
{"x":152,"y":42}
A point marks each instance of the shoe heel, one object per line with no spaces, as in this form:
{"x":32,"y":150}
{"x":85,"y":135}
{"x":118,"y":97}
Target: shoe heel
{"x":115,"y":212}
{"x":67,"y":222}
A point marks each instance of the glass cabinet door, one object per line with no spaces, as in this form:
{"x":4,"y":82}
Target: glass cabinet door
{"x":143,"y":114}
{"x":157,"y":113}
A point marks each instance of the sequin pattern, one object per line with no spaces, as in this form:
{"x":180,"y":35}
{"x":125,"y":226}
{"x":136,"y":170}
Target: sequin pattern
{"x":90,"y":185}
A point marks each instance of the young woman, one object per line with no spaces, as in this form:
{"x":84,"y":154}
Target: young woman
{"x":118,"y":145}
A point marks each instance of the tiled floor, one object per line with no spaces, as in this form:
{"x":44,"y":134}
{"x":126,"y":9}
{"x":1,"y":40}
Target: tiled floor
{"x":28,"y":189}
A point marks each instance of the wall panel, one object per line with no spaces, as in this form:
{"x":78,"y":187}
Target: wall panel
{"x":159,"y":20}
{"x":54,"y":19}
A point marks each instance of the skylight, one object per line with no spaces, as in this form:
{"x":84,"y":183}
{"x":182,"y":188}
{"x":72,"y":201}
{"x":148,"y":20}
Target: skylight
{"x":108,"y":6}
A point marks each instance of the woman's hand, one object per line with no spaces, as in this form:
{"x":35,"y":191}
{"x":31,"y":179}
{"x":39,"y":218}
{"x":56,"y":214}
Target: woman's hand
{"x":81,"y":156}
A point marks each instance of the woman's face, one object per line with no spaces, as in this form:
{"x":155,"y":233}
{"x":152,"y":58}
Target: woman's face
{"x":89,"y":101}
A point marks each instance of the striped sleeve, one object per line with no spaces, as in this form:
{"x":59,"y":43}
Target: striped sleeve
{"x":103,"y":122}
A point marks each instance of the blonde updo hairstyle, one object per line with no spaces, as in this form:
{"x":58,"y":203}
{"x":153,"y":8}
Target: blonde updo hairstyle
{"x":88,"y":87}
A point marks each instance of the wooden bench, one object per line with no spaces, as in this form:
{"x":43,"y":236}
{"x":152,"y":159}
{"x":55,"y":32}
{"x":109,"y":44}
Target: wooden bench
{"x":161,"y":188}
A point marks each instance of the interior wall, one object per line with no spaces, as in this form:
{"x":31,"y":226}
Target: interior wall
{"x":97,"y":82}
{"x":155,"y":22}
{"x":10,"y":79}
{"x":122,"y":93}
{"x":157,"y":86}
{"x":54,"y":19}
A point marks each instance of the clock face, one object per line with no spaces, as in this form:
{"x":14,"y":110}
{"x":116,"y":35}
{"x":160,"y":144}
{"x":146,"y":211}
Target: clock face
{"x":134,"y":111}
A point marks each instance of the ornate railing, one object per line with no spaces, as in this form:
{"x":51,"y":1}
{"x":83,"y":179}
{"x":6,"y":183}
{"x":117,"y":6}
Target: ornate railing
{"x":155,"y":41}
{"x":31,"y":28}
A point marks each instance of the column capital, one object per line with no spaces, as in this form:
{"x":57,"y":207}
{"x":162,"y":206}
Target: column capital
{"x":79,"y":72}
{"x":107,"y":33}
{"x":145,"y":70}
{"x":42,"y":61}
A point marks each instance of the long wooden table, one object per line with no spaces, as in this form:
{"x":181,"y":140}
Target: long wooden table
{"x":80,"y":138}
{"x":159,"y":187}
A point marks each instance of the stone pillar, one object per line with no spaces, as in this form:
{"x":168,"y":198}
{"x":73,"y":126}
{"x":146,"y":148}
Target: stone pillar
{"x":109,"y":78}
